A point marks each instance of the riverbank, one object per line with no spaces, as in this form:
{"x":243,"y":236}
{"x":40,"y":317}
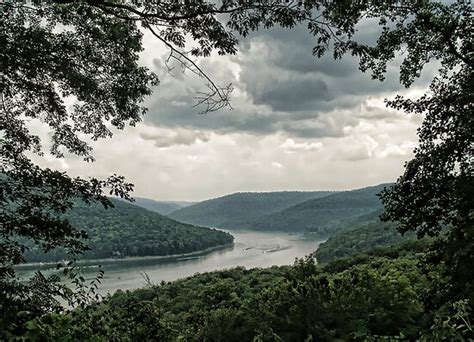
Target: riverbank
{"x":102,"y":262}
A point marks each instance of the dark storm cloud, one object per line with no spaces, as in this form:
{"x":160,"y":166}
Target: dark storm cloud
{"x":295,"y":94}
{"x":281,"y":87}
{"x":290,"y":78}
{"x":173,"y":114}
{"x":292,"y":50}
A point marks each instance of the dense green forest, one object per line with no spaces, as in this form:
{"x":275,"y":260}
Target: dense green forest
{"x":383,"y":297}
{"x":322,"y":214}
{"x":359,"y":237}
{"x":240,"y":210}
{"x":285,"y":211}
{"x":370,"y":284}
{"x":128,"y":230}
{"x":161,"y":207}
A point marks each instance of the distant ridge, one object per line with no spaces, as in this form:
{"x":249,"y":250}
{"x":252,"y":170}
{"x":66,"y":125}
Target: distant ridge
{"x":365,"y":234}
{"x":240,"y":210}
{"x":318,"y":211}
{"x":320,"y":214}
{"x":161,"y":207}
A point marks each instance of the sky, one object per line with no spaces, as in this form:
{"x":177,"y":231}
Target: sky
{"x":297,"y":123}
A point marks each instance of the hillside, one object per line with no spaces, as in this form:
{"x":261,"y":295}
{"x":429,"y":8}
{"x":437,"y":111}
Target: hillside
{"x":321,"y":214}
{"x":161,"y":207}
{"x":128,"y":230}
{"x":355,"y":222}
{"x":239,"y":210}
{"x":359,"y":239}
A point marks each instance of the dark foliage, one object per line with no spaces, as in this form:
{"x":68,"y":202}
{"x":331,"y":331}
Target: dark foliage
{"x":128,"y":230}
{"x":371,"y":298}
{"x":361,"y":237}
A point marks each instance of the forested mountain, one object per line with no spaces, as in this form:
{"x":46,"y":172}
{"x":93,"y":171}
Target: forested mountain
{"x":322,"y":214}
{"x":306,"y":301}
{"x":161,"y":207}
{"x":128,"y":230}
{"x":358,"y":238}
{"x":239,"y":210}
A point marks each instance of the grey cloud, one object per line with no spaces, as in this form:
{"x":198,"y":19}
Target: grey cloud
{"x":292,"y":51}
{"x":294,"y":94}
{"x":167,"y":138}
{"x":281,"y":88}
{"x":167,"y":114}
{"x":298,"y":123}
{"x":288,"y":64}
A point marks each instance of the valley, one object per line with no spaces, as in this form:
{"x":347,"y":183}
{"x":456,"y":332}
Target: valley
{"x":316,"y":264}
{"x":240,"y":210}
{"x":303,"y":171}
{"x":133,"y":239}
{"x":314,"y":212}
{"x":137,"y":229}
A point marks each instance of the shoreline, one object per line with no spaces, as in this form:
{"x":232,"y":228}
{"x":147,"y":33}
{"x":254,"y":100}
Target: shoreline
{"x":94,"y":262}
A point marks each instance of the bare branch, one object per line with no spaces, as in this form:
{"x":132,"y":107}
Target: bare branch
{"x":217,"y":98}
{"x":209,"y":99}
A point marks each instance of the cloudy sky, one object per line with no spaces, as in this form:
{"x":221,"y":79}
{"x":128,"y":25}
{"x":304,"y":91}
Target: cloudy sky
{"x":298,"y":123}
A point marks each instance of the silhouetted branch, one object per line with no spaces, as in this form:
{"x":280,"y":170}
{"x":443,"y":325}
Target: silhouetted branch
{"x":217,"y":98}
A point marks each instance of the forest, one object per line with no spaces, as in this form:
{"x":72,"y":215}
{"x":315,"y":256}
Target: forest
{"x":289,"y":211}
{"x":384,"y":296}
{"x":320,"y":215}
{"x":127,"y":230}
{"x":226,"y":211}
{"x":365,"y":283}
{"x":358,"y":235}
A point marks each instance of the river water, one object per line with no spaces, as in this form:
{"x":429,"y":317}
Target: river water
{"x":251,"y":249}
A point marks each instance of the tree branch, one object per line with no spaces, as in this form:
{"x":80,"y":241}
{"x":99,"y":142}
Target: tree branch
{"x":222,"y":93}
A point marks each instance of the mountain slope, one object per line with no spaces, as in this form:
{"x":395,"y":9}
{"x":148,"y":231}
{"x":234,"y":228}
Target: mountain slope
{"x":161,"y":207}
{"x":239,"y":210}
{"x":128,"y":230}
{"x":365,"y":237}
{"x":319,"y":215}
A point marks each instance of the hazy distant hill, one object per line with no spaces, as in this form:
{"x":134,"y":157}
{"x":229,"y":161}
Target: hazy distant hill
{"x":320,"y":214}
{"x":161,"y":207}
{"x":239,"y":210}
{"x":128,"y":230}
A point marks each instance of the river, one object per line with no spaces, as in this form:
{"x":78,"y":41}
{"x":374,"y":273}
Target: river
{"x":251,"y":249}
